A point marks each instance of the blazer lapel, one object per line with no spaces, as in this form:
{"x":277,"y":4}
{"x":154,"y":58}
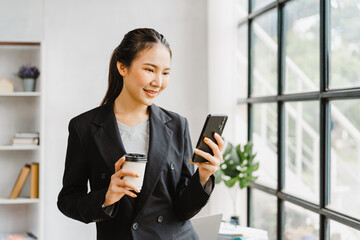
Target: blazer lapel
{"x":107,"y":137}
{"x":160,"y":141}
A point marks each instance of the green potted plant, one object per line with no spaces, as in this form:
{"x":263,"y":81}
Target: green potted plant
{"x":28,"y":75}
{"x":236,"y":171}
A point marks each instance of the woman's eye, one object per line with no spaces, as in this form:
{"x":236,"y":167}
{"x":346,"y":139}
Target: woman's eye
{"x":149,"y":70}
{"x":166,"y":73}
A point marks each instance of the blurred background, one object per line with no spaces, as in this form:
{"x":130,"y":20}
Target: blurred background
{"x":286,"y":72}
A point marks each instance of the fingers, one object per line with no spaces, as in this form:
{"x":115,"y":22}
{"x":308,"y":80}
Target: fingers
{"x":123,"y":190}
{"x":220,"y":141}
{"x":212,"y":160}
{"x":125,"y":172}
{"x":214,"y":147}
{"x":208,"y":168}
{"x":119,"y":163}
{"x":118,"y":184}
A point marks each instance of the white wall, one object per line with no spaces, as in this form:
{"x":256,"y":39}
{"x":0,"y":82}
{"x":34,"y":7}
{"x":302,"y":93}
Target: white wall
{"x":80,"y":36}
{"x":21,"y":20}
{"x":222,"y":44}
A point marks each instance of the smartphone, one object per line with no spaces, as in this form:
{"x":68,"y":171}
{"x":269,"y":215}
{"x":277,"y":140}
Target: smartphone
{"x":214,"y":123}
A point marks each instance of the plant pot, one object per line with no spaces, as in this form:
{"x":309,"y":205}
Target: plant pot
{"x":29,"y":84}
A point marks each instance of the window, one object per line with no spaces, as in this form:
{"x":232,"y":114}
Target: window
{"x":298,"y":66}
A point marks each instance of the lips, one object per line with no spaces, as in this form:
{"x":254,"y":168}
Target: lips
{"x":151,"y":93}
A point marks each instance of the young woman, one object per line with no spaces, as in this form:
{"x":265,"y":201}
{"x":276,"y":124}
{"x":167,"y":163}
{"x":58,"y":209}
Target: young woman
{"x":128,"y":121}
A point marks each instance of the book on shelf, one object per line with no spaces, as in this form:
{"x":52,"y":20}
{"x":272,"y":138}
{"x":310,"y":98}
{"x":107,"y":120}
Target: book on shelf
{"x":28,"y":169}
{"x":25,"y":141}
{"x":17,"y":236}
{"x":19,"y":184}
{"x":26,"y":135}
{"x":26,"y":138}
{"x":34,"y":180}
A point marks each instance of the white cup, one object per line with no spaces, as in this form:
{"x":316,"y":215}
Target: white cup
{"x":136,"y":163}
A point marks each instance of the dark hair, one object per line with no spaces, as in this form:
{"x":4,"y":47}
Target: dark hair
{"x":133,"y":42}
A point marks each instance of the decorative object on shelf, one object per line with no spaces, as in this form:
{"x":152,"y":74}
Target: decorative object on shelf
{"x":6,"y":85}
{"x":237,"y":167}
{"x":17,"y":236}
{"x":28,"y":75}
{"x":26,"y":139}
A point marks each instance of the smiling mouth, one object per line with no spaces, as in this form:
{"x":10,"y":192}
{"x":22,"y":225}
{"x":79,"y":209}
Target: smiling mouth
{"x":151,"y":93}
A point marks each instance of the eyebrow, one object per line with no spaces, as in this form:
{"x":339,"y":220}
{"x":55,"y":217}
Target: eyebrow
{"x":153,"y":65}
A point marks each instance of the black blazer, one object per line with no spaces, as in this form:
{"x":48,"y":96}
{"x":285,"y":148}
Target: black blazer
{"x":171,"y":193}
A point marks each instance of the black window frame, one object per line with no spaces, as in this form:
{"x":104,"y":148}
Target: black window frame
{"x":324,"y":96}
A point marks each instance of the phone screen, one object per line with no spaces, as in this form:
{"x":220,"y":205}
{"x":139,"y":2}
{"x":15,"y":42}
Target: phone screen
{"x":213,"y":124}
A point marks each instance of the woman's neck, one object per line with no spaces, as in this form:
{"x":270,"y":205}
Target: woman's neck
{"x":129,"y":112}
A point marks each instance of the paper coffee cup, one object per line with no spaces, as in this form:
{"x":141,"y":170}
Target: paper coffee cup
{"x":136,"y":163}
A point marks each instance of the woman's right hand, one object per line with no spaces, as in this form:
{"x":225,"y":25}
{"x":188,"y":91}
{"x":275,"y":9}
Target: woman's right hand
{"x":118,"y":187}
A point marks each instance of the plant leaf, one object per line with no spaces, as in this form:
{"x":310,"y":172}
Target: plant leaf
{"x":228,"y":149}
{"x":240,"y":154}
{"x":243,"y":184}
{"x":230,"y":183}
{"x":252,"y":168}
{"x":217,"y":176}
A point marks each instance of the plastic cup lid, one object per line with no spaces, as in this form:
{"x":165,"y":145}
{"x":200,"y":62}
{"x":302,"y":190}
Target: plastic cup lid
{"x":136,"y":157}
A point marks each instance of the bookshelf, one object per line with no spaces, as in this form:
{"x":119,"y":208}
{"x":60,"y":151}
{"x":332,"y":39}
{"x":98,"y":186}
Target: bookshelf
{"x":20,"y":112}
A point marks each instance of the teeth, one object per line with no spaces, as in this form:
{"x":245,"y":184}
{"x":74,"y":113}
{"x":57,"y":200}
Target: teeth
{"x":150,"y":91}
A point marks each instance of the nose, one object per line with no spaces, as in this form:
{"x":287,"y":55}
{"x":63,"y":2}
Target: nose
{"x":157,"y":82}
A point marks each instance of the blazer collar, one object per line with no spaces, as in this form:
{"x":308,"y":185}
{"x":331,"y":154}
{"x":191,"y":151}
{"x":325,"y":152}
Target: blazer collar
{"x":111,"y":148}
{"x":160,"y":142}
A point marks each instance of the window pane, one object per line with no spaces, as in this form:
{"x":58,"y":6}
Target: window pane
{"x":302,"y":46}
{"x":241,"y":124}
{"x":257,"y":4}
{"x":242,"y":62}
{"x":345,"y":44}
{"x":302,"y":149}
{"x":339,"y":231}
{"x":345,"y":156}
{"x":264,"y":72}
{"x":265,"y":142}
{"x":265,"y":212}
{"x":300,"y":223}
{"x":241,"y":9}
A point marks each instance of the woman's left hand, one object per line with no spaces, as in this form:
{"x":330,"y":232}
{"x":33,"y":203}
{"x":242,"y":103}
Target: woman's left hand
{"x":206,"y":169}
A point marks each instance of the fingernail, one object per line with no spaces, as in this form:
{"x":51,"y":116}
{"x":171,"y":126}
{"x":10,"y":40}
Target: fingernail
{"x":217,"y":134}
{"x":134,"y":195}
{"x":136,"y":175}
{"x":206,"y":139}
{"x":195,"y":150}
{"x":190,"y":160}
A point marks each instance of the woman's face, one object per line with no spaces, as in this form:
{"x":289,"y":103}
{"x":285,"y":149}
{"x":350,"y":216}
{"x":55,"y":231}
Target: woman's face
{"x":147,"y":75}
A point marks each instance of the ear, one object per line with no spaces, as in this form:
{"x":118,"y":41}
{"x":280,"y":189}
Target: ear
{"x":121,"y":68}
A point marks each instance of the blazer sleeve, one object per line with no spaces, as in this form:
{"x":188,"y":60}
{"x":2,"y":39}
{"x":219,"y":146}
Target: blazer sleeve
{"x":74,"y":200}
{"x":191,"y":196}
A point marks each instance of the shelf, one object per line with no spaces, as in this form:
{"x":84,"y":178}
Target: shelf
{"x":20,"y":43}
{"x":19,"y":201}
{"x":17,"y":147}
{"x":20,"y":94}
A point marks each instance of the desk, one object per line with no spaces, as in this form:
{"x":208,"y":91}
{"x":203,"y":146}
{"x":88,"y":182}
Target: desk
{"x":231,"y":232}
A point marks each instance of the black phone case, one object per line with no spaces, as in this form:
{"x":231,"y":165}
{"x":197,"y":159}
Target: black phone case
{"x":213,"y":124}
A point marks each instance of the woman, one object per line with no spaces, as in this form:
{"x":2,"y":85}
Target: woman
{"x":129,"y":121}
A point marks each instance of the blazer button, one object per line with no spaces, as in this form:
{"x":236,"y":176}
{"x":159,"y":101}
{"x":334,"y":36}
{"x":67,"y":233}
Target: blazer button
{"x":160,"y":219}
{"x":172,"y":166}
{"x":135,"y":226}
